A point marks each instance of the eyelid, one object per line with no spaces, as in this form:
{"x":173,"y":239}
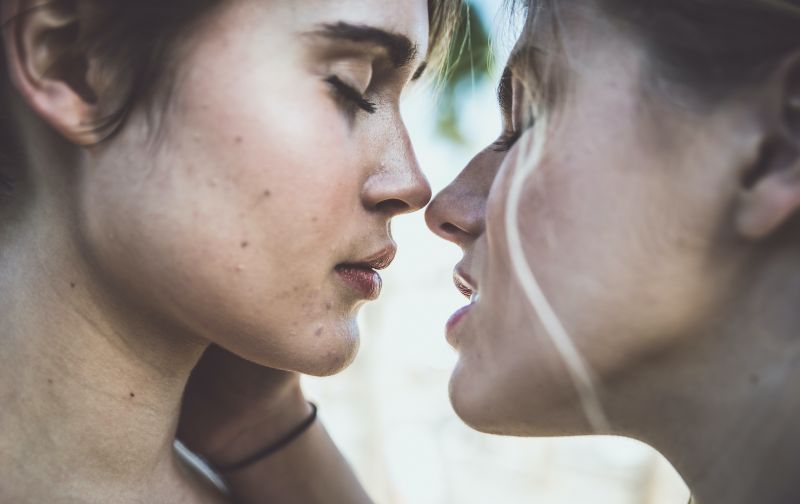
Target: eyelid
{"x":351,"y":95}
{"x":355,"y":72}
{"x":522,"y":111}
{"x":517,"y":111}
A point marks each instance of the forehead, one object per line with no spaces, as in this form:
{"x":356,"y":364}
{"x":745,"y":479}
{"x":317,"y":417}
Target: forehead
{"x":570,"y":41}
{"x":403,"y":17}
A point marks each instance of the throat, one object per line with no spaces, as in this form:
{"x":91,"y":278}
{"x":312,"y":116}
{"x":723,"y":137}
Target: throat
{"x":84,"y":411}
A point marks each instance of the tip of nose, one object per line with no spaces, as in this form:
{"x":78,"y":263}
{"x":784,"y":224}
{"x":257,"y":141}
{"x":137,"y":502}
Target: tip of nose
{"x":439,"y":218}
{"x":397,"y":206}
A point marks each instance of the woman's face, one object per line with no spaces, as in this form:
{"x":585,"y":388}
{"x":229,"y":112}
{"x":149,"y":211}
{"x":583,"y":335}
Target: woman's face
{"x":623,"y":223}
{"x":255,"y":213}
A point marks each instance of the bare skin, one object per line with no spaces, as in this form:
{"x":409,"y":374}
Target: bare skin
{"x":677,"y":284}
{"x":123,"y":261}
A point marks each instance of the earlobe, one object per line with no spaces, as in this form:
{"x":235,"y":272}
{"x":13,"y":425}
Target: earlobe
{"x":771,"y":203}
{"x":47,"y":67}
{"x":771,"y":186}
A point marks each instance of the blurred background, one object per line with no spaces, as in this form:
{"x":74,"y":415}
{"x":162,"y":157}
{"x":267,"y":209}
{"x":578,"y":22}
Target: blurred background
{"x":389,"y":412}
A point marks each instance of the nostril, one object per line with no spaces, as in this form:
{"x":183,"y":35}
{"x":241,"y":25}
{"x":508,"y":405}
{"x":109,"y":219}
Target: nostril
{"x":450,"y":229}
{"x":393,"y":207}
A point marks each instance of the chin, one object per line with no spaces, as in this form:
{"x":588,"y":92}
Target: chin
{"x":470,"y":403}
{"x":501,"y":404}
{"x":335,"y":359}
{"x":319,"y":348}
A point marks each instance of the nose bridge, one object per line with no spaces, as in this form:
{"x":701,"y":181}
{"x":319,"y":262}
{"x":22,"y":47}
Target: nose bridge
{"x":403,"y":150}
{"x":399,"y":179}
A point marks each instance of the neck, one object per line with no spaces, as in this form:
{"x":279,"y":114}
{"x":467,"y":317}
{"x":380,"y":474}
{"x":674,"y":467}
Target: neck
{"x":90,"y":392}
{"x":730,"y":426}
{"x":752,"y":457}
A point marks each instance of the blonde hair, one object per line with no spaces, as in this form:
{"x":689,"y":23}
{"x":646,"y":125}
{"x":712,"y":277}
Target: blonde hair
{"x":653,"y":20}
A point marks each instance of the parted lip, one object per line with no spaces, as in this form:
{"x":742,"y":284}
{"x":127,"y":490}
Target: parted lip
{"x":378,"y":261}
{"x":464,"y":282}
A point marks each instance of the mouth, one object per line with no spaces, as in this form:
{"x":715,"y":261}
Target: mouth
{"x":465,"y":284}
{"x":468,"y":288}
{"x":362,"y":276}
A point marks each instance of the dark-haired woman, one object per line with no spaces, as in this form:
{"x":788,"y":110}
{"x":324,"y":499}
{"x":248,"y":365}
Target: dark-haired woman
{"x":186,"y":173}
{"x":632,"y":241}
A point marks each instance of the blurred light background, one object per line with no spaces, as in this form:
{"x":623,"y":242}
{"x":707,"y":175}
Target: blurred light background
{"x":389,"y":412}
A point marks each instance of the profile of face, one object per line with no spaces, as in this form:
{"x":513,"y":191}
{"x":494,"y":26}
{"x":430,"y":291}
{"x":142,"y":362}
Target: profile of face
{"x":637,"y":227}
{"x":253,"y":210}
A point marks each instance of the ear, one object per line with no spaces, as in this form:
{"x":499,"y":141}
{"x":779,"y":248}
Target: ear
{"x":771,"y":186}
{"x":47,"y":65}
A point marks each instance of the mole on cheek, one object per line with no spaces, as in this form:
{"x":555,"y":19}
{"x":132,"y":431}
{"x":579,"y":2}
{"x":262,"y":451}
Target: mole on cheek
{"x":265,"y":194}
{"x":239,"y":139}
{"x":245,"y":244}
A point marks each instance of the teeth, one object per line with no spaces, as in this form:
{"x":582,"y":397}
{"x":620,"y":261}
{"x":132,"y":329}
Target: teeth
{"x":474,"y":297}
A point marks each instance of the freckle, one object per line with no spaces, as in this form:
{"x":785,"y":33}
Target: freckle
{"x":133,"y":395}
{"x":239,"y":268}
{"x":314,"y":219}
{"x":755,"y":379}
{"x":50,"y":381}
{"x":328,"y":305}
{"x":72,"y":285}
{"x":239,"y":139}
{"x":267,"y":193}
{"x":318,"y":332}
{"x":245,"y":244}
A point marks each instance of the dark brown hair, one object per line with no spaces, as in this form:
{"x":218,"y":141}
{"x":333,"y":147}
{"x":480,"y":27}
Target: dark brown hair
{"x":134,"y":40}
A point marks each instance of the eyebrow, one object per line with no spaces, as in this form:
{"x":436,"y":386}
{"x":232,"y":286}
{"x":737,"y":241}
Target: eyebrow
{"x":402,"y":51}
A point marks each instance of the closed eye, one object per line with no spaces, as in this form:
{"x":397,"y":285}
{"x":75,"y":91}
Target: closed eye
{"x":505,"y":98}
{"x":350,"y":96}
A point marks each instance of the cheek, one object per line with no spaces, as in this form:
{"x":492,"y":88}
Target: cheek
{"x":208,"y":225}
{"x":626,"y":270}
{"x":612,"y":257}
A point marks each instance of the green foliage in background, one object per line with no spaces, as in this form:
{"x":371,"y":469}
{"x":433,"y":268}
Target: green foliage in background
{"x":469,"y":64}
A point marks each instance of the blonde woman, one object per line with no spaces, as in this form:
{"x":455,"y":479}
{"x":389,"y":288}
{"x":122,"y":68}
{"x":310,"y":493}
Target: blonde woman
{"x":632,"y":241}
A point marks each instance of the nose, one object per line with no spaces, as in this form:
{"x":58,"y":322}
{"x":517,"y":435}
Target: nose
{"x":397,"y":186}
{"x":458,"y":212}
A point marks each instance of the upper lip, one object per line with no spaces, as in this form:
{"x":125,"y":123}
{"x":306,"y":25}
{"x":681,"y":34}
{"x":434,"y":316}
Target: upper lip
{"x":464,"y":282}
{"x":378,"y":261}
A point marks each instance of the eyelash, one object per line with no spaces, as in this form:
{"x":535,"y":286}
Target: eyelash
{"x":506,"y":141}
{"x":350,"y":94}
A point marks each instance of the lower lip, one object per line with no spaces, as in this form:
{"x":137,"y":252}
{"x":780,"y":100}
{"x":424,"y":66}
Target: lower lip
{"x":364,"y":281}
{"x":455,"y":319}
